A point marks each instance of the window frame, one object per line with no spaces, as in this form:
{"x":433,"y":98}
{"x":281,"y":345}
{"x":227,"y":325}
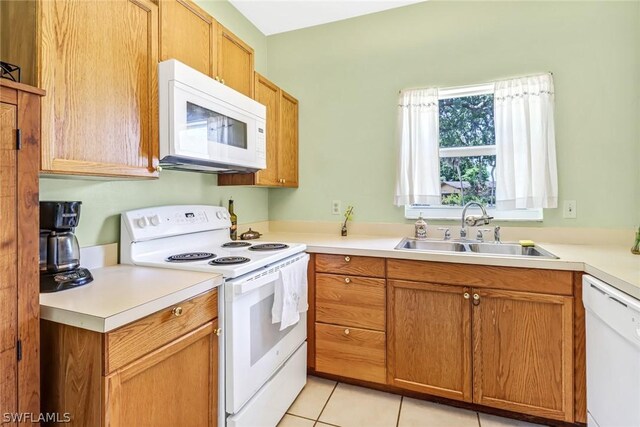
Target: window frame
{"x":443,"y":212}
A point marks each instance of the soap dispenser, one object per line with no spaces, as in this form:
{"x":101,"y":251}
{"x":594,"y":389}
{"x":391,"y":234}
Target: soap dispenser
{"x":421,"y":228}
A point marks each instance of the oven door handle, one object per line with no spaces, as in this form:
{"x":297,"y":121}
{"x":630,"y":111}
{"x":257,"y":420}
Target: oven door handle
{"x":251,"y":285}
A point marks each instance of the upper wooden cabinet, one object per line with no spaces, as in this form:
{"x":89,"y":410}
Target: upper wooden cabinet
{"x":288,"y":141}
{"x":188,"y":34}
{"x":235,"y":62}
{"x":99,"y":68}
{"x":268,"y":94}
{"x":282,"y":140}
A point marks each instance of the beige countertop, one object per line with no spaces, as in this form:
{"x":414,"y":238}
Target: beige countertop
{"x":121,"y":294}
{"x":614,"y":264}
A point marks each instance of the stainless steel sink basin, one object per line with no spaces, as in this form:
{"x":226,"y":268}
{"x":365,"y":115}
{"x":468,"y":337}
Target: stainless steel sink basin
{"x":472,"y":247}
{"x":431,"y":245}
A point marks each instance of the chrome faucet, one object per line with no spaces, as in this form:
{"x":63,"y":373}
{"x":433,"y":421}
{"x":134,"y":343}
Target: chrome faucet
{"x":485,"y":219}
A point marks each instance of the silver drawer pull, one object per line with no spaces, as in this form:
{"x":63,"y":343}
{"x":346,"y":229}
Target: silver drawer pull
{"x":346,"y":331}
{"x":347,"y":280}
{"x":347,"y":258}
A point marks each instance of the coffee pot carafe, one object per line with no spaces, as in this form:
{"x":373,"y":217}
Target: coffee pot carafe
{"x":63,"y":251}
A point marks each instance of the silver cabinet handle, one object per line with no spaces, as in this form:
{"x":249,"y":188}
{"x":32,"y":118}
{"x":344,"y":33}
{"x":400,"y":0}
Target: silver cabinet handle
{"x":346,"y":331}
{"x":466,"y":295}
{"x":347,"y":259}
{"x":177,"y":311}
{"x":347,"y":280}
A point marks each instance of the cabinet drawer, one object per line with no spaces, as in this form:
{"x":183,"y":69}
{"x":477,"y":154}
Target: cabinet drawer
{"x":353,"y":265}
{"x":351,"y":352}
{"x":136,"y":339}
{"x":351,"y":301}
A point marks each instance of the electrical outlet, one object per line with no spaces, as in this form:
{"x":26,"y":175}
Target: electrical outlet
{"x":336,"y":207}
{"x":570,"y":209}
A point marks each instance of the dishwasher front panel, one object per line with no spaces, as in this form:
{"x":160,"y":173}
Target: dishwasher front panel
{"x":613,"y":355}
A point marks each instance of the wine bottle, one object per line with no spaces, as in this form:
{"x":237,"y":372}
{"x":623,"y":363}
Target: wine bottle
{"x":234,"y":222}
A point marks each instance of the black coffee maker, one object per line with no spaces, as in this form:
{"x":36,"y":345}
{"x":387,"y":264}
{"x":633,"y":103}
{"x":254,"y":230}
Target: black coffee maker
{"x":59,"y":250}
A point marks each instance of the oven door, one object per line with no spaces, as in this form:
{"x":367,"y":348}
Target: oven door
{"x":207,"y":128}
{"x":255,"y":347}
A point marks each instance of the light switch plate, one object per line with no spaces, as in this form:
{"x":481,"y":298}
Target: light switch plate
{"x":570,"y":209}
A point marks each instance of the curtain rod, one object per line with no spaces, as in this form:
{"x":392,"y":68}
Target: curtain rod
{"x":480,"y":84}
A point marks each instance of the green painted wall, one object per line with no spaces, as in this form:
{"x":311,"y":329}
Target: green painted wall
{"x":347,"y":76}
{"x":104,"y":200}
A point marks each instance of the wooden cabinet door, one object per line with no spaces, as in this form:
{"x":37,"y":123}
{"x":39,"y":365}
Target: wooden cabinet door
{"x":8,"y":257}
{"x":235,"y":62}
{"x":174,"y":385}
{"x":99,"y":66}
{"x":288,"y":141}
{"x":188,"y":34}
{"x":268,"y":94}
{"x":523,"y":352}
{"x":429,"y":338}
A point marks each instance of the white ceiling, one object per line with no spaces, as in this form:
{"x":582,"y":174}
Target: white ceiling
{"x":278,"y":16}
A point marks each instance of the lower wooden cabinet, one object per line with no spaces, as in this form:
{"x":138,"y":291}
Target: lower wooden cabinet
{"x":429,"y":338}
{"x":351,"y":352}
{"x":523,"y":352}
{"x":161,"y":370}
{"x":186,"y":371}
{"x":452,"y":331}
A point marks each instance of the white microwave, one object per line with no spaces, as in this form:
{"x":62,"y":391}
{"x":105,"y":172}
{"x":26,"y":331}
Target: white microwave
{"x":206,"y":126}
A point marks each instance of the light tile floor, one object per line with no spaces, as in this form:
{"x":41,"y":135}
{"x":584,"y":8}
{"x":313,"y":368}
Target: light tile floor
{"x":325,"y":403}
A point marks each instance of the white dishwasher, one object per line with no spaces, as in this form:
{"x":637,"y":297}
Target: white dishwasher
{"x":613,"y":355}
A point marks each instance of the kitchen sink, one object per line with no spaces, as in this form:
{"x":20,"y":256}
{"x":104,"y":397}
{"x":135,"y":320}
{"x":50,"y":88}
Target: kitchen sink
{"x":474,"y":247}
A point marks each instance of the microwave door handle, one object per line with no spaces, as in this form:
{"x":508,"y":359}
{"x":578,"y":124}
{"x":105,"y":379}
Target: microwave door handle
{"x":250,"y":285}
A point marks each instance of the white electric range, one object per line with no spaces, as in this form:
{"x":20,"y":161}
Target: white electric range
{"x":263,"y":369}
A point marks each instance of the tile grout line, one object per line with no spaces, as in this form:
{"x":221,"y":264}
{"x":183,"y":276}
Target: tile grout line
{"x":326,"y":403}
{"x":300,"y":416}
{"x":478,"y":416}
{"x":399,"y":411}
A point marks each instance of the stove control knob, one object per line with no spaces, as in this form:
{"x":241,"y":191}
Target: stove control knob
{"x":154,"y":220}
{"x":142,"y":222}
{"x":219,"y":215}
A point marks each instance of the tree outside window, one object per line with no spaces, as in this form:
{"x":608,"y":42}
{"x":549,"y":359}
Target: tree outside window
{"x":467,"y":150}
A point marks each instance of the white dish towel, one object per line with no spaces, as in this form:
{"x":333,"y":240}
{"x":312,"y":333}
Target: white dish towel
{"x":290,"y":296}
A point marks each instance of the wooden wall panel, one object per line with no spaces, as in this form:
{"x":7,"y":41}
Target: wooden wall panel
{"x":580,"y":351}
{"x":8,"y":256}
{"x":29,"y":255}
{"x":311,"y":313}
{"x":72,"y":362}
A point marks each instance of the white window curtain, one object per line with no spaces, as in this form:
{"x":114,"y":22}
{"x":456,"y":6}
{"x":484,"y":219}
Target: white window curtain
{"x":418,"y":174}
{"x":526,"y":171}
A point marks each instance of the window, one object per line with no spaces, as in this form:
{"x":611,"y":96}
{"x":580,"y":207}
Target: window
{"x":467,"y":156}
